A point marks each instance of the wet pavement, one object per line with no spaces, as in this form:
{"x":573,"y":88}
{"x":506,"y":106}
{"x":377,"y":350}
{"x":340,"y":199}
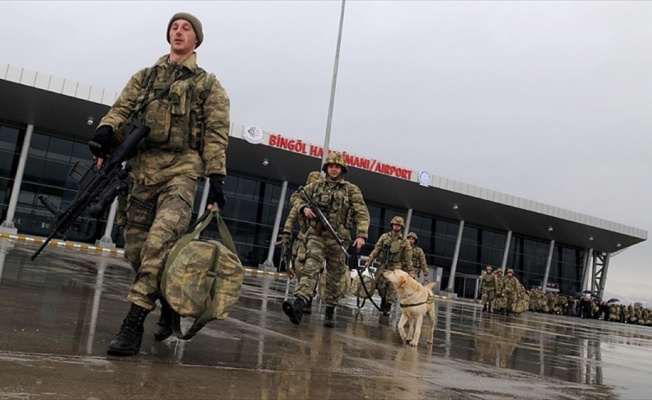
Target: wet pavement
{"x":58,"y":313}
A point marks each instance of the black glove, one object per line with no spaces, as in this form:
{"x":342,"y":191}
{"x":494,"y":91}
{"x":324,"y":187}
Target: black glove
{"x":100,"y":145}
{"x":216,"y":192}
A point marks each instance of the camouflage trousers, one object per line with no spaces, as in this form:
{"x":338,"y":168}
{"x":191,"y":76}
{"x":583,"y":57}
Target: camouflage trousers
{"x":386,"y":288}
{"x":319,"y":249}
{"x":487,"y":296}
{"x":298,"y":257}
{"x":157,"y":216}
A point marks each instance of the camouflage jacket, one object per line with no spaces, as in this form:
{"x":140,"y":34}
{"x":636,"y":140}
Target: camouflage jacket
{"x":488,"y":282}
{"x":342,"y":204}
{"x":295,"y":215}
{"x":419,"y":262}
{"x":189,"y":126}
{"x":511,"y":285}
{"x":397,"y":248}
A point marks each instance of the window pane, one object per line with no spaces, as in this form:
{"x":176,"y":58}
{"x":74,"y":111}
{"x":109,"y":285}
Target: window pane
{"x":59,"y":149}
{"x":9,"y":139}
{"x":6,"y":161}
{"x":39,"y":145}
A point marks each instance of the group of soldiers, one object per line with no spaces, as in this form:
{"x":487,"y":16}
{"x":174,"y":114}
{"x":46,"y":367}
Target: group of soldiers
{"x":554,"y":303}
{"x":502,"y":294}
{"x":505,"y":294}
{"x":318,"y":253}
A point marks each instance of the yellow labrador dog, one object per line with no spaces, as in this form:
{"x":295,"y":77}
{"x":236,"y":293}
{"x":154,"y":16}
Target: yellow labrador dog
{"x":416,"y":301}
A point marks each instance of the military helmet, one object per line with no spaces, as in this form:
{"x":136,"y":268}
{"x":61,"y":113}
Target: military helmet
{"x":488,"y":268}
{"x":510,"y":270}
{"x":313,"y":176}
{"x":413,"y":235}
{"x":335,"y":158}
{"x":499,"y":270}
{"x":397,"y":220}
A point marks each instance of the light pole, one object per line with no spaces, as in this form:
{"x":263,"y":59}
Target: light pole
{"x":329,"y":119}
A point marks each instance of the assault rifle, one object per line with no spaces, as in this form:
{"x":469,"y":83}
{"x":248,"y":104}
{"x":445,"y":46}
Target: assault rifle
{"x":286,"y":260}
{"x":97,"y":187}
{"x":322,"y":218}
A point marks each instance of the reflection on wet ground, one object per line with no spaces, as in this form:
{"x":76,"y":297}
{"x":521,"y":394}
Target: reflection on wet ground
{"x":58,"y":313}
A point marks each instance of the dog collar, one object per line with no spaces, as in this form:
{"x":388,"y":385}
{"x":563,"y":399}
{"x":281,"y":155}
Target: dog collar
{"x":430,"y":300}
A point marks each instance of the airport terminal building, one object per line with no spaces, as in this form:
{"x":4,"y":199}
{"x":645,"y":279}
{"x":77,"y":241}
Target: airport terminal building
{"x":46,"y":123}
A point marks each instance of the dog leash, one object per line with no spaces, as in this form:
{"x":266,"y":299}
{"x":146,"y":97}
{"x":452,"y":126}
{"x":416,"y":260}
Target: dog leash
{"x":355,"y":257}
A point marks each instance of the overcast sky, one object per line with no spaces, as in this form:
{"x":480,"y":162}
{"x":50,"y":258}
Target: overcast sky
{"x":549,"y":101}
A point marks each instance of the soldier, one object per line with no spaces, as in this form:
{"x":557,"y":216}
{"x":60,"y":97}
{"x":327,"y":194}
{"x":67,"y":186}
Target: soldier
{"x":187,"y":111}
{"x":342,"y":203}
{"x":488,"y":284}
{"x":299,"y":244}
{"x":393,"y":251}
{"x":419,"y":262}
{"x":511,"y":287}
{"x":499,"y":303}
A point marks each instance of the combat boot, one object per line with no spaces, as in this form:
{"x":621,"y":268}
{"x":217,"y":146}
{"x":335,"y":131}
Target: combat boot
{"x":329,"y":317}
{"x":163,"y":328}
{"x":127,"y":341}
{"x":388,"y":308}
{"x":294,"y":310}
{"x":308,"y":308}
{"x":383,"y":305}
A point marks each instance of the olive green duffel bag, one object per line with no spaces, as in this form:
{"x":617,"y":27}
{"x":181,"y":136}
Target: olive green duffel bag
{"x":202,"y":278}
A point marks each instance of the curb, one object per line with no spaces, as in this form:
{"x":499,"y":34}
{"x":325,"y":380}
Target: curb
{"x":116,"y":252}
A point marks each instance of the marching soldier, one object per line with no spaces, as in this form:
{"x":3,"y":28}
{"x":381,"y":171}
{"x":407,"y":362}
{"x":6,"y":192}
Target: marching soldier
{"x":499,"y":303}
{"x":187,"y":111}
{"x":511,"y":287}
{"x":393,"y":251}
{"x":488,"y":284}
{"x":419,"y":262}
{"x":298,"y":246}
{"x":343,"y":205}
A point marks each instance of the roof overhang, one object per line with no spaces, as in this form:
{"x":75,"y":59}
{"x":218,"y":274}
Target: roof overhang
{"x":67,"y":111}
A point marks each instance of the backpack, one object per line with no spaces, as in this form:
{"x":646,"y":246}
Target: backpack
{"x":202,"y":278}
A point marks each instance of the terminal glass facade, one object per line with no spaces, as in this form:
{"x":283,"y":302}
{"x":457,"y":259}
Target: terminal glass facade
{"x":250,"y":213}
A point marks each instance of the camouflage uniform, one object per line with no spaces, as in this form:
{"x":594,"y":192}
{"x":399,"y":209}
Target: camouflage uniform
{"x":419,"y":262}
{"x":167,"y":165}
{"x":343,"y":205}
{"x":499,"y":303}
{"x":298,"y":244}
{"x":187,"y":113}
{"x":511,"y":287}
{"x":488,"y":284}
{"x":392,"y":251}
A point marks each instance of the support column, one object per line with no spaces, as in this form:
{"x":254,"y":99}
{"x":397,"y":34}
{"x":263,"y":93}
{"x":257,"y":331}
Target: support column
{"x":107,"y":240}
{"x":8,"y":224}
{"x":458,"y":243}
{"x":585,"y":271}
{"x":204,"y":200}
{"x":408,"y":221}
{"x":204,"y":196}
{"x":269,"y":263}
{"x":594,"y":273}
{"x":508,"y":242}
{"x":544,"y":284}
{"x":603,"y":276}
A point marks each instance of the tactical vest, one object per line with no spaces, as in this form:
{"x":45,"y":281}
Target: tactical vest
{"x":176,"y":120}
{"x":335,"y":202}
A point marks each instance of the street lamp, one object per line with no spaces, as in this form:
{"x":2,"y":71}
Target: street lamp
{"x":329,"y":119}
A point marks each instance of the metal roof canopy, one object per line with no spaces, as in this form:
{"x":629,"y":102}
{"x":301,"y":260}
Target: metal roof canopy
{"x":68,"y":114}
